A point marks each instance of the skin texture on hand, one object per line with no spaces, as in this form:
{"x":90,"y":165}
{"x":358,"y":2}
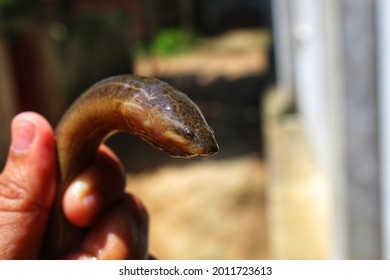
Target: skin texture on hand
{"x":117,"y":222}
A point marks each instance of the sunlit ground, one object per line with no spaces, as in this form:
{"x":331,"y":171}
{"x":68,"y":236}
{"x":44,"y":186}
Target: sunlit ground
{"x":207,"y":210}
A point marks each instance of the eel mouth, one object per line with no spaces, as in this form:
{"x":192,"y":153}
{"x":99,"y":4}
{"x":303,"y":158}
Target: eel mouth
{"x":187,"y":151}
{"x":206,"y":150}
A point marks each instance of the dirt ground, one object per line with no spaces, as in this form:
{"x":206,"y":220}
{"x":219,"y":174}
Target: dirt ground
{"x":213,"y":208}
{"x":205,"y":210}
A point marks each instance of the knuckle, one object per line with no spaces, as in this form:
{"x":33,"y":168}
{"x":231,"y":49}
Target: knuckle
{"x":11,"y":194}
{"x":15,"y":198}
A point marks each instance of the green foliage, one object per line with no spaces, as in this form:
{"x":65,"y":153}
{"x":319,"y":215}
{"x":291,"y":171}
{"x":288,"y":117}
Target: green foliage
{"x":171,"y":41}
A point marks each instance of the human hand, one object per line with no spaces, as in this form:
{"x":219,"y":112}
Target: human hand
{"x":118,"y":222}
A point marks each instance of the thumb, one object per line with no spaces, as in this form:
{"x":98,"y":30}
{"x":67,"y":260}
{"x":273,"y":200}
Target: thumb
{"x":27,"y":186}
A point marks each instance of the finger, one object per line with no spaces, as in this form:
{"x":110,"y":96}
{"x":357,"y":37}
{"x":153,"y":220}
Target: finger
{"x":95,"y":190}
{"x":27,"y":186}
{"x":121,"y":234}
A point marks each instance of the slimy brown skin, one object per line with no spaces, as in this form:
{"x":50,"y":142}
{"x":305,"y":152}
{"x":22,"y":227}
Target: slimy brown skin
{"x":147,"y":107}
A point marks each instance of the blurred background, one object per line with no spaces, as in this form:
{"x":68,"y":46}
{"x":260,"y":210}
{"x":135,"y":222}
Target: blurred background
{"x":296,"y":92}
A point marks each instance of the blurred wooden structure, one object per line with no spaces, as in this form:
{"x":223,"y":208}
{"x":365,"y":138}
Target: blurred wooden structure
{"x":330,"y":67}
{"x":7,"y":102}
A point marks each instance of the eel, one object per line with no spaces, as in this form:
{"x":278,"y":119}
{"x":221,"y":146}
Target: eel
{"x":147,"y":107}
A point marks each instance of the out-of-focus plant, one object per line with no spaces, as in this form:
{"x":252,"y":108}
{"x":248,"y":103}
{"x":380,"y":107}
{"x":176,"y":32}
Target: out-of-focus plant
{"x":169,"y":41}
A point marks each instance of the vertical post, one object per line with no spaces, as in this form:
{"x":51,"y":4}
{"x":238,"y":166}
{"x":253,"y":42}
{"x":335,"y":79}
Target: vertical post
{"x":383,"y":10}
{"x":336,"y":164}
{"x":359,"y":88}
{"x":283,"y":46}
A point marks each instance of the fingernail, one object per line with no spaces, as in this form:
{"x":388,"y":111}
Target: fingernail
{"x":23,"y":133}
{"x":84,"y":193}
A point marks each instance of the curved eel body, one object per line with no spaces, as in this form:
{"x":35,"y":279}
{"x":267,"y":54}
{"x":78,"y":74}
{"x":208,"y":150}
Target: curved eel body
{"x":147,"y":107}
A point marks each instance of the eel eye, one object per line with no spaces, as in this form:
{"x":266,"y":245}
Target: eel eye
{"x":188,"y":133}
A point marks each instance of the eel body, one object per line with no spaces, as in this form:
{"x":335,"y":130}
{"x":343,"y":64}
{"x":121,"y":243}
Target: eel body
{"x":147,"y":107}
